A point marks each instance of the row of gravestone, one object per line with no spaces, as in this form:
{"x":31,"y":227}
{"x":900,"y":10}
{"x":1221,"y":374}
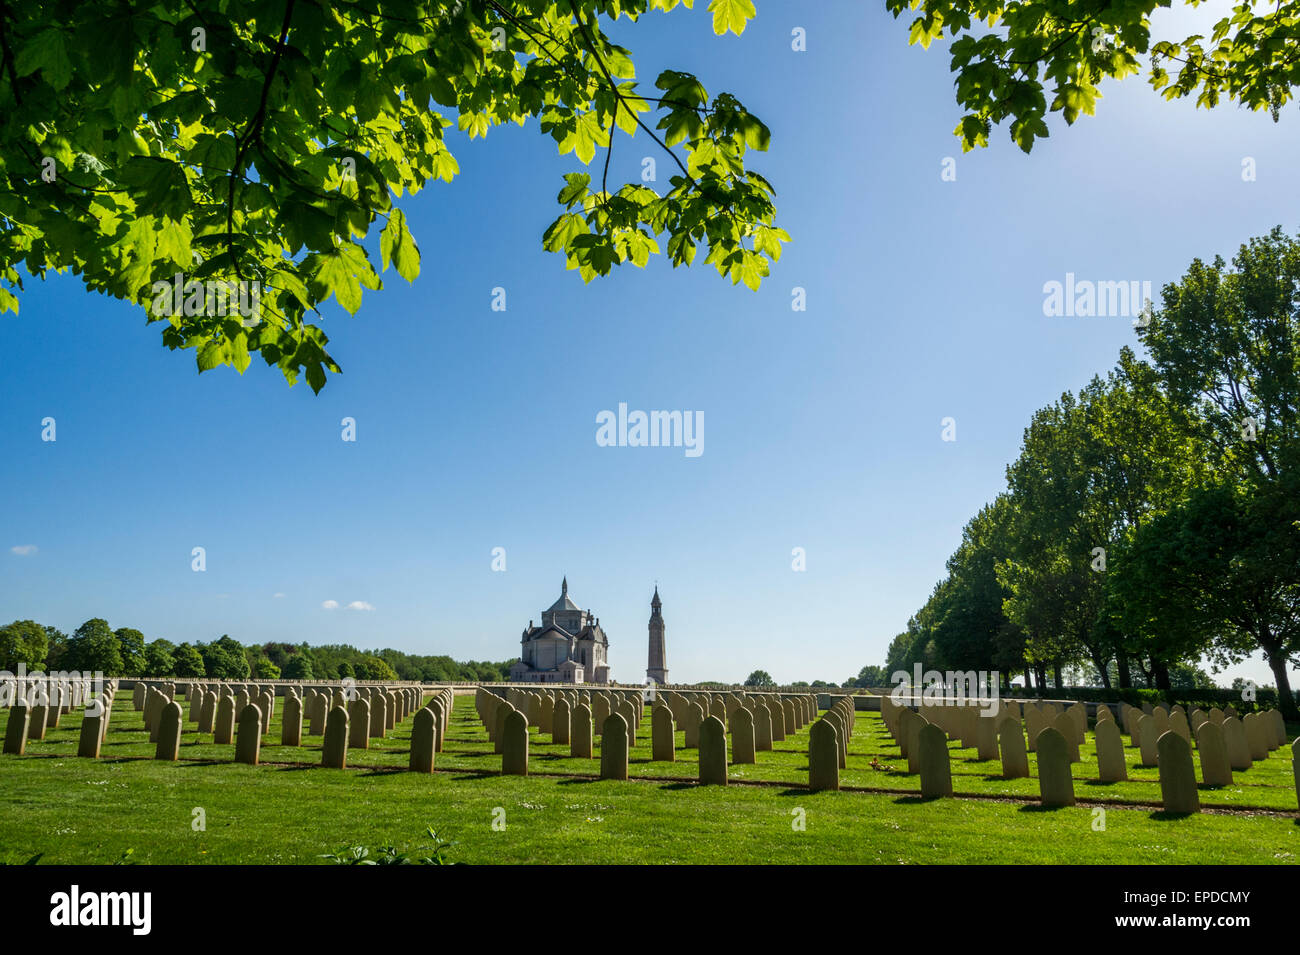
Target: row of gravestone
{"x":163,"y":718}
{"x":828,"y":745}
{"x":55,"y":691}
{"x":1161,"y":736}
{"x":749,"y":717}
{"x":31,"y":720}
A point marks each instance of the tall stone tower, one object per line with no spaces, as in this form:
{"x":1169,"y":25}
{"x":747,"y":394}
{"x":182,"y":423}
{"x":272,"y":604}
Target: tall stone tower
{"x":657,"y":668}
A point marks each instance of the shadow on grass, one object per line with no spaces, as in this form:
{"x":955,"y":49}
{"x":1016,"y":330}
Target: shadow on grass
{"x":1039,"y":807}
{"x":1161,"y":815}
{"x":915,"y":800}
{"x":1102,"y":782}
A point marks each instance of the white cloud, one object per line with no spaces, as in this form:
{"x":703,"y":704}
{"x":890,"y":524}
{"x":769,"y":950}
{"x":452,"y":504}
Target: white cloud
{"x":359,"y":605}
{"x":331,"y":605}
{"x":24,"y":550}
{"x":277,"y":596}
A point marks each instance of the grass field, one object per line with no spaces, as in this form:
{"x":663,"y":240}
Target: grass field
{"x":288,"y":810}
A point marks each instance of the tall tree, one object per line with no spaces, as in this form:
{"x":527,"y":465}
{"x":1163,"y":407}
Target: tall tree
{"x":1221,"y":567}
{"x":175,"y":153}
{"x":23,"y":642}
{"x":972,"y":630}
{"x":93,"y":647}
{"x":1226,"y":345}
{"x":131,"y":645}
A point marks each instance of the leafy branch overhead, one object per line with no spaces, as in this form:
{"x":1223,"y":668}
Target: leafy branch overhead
{"x":1008,"y":57}
{"x":223,"y":162}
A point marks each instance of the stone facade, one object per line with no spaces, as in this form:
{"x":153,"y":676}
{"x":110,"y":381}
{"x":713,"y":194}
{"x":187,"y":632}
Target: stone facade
{"x":568,"y":647}
{"x":657,"y":665}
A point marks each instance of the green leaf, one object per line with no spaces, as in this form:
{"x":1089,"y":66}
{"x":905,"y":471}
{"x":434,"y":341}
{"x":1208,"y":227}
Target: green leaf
{"x":337,"y":276}
{"x":46,"y":52}
{"x":396,"y":243}
{"x":731,"y":15}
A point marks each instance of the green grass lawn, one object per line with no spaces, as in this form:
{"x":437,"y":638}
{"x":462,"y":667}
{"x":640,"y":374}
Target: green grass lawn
{"x":72,"y":810}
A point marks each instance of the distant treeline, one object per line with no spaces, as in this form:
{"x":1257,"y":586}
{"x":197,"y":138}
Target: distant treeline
{"x":96,"y":647}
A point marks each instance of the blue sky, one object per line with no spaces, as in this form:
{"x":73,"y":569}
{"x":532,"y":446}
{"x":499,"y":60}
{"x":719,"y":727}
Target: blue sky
{"x":476,"y":428}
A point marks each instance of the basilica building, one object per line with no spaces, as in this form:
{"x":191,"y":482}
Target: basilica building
{"x":568,"y":647}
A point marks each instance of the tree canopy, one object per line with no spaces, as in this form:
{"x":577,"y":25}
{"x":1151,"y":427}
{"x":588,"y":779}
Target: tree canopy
{"x":223,"y":163}
{"x":1009,"y":57}
{"x":1151,"y":519}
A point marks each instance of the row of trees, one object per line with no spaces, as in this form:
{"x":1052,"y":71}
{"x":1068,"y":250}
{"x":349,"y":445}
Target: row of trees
{"x":95,"y":646}
{"x":1153,"y":518}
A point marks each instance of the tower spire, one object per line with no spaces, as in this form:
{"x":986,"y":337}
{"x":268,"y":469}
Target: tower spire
{"x":564,"y":586}
{"x":657,"y":668}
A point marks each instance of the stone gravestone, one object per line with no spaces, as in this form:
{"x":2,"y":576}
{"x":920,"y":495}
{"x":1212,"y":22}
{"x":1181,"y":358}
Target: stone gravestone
{"x":223,"y":730}
{"x":1015,"y":759}
{"x":1055,"y":784}
{"x":613,"y":748}
{"x":628,"y":712}
{"x":39,"y":721}
{"x":936,"y":772}
{"x":1035,"y":722}
{"x":334,"y":752}
{"x":986,"y":737}
{"x":248,"y":744}
{"x":911,"y":724}
{"x":359,"y":724}
{"x":545,"y":714}
{"x":379,"y":716}
{"x":823,"y":757}
{"x":16,"y":731}
{"x":169,"y":732}
{"x":600,"y":710}
{"x":291,"y":725}
{"x":1178,"y":723}
{"x":1111,"y":767}
{"x":777,"y":717}
{"x":424,"y":734}
{"x":560,"y":721}
{"x":439,"y":724}
{"x":1079,"y":713}
{"x":1068,"y":727}
{"x":504,"y":710}
{"x":1295,"y":765}
{"x":92,"y":736}
{"x":762,"y":727}
{"x":713,"y":752}
{"x":743,"y":741}
{"x":1213,"y":749}
{"x":661,"y":735}
{"x":1147,"y":736}
{"x":1257,"y":736}
{"x":1234,"y":735}
{"x":208,"y":712}
{"x":514,"y":748}
{"x":1177,"y":775}
{"x":691,"y":728}
{"x":1279,"y":726}
{"x":266,"y":706}
{"x":580,"y":735}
